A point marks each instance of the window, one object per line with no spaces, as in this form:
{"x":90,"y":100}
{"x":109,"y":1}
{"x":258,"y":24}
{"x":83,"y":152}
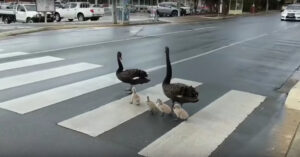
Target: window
{"x":67,"y":6}
{"x":73,"y":5}
{"x":84,"y":5}
{"x":162,"y":5}
{"x":292,"y":7}
{"x":21,"y":8}
{"x":30,"y":7}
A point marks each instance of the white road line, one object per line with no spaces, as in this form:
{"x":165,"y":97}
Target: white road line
{"x":12,"y":54}
{"x":206,"y":53}
{"x":293,"y":99}
{"x":36,"y":76}
{"x":183,"y":31}
{"x":121,"y":40}
{"x":28,"y":62}
{"x":52,"y":96}
{"x":107,"y":117}
{"x":288,"y":44}
{"x":207,"y":129}
{"x":1,"y":50}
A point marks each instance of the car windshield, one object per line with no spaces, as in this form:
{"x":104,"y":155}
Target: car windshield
{"x":293,"y":7}
{"x":30,"y":7}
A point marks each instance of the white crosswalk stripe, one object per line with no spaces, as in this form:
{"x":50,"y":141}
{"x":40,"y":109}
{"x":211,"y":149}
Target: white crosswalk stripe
{"x":28,"y":62}
{"x":12,"y":54}
{"x":207,"y":129}
{"x":106,"y":117}
{"x":37,"y":101}
{"x":36,"y":76}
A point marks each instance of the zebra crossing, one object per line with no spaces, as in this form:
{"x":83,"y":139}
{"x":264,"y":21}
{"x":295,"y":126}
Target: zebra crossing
{"x":13,"y":54}
{"x":101,"y":120}
{"x":28,"y":62}
{"x":203,"y":132}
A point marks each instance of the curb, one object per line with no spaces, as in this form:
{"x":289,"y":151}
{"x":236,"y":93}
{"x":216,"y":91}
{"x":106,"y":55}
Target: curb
{"x":293,"y":99}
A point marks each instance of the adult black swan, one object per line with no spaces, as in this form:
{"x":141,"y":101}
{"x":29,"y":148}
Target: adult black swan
{"x":130,"y":76}
{"x":177,"y":92}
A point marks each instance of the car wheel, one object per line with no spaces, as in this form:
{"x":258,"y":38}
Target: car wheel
{"x":29,"y":20}
{"x":80,"y":17}
{"x":57,"y":17}
{"x":5,"y":20}
{"x":174,"y":13}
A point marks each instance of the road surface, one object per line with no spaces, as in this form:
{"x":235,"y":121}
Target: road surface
{"x":60,"y":97}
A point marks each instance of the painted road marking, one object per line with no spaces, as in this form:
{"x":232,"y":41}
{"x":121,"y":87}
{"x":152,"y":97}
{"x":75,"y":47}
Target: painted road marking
{"x":205,"y":53}
{"x":23,"y":79}
{"x":109,"y":116}
{"x":52,"y":96}
{"x":293,"y":99}
{"x":122,"y":40}
{"x":12,"y":54}
{"x":28,"y":62}
{"x":207,"y":129}
{"x":1,"y":50}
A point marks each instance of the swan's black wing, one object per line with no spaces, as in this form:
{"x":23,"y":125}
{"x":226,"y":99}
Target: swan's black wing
{"x":180,"y":92}
{"x":134,"y":73}
{"x":175,"y":89}
{"x":133,"y":76}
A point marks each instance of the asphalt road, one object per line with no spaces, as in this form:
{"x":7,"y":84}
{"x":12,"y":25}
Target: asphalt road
{"x":253,"y":54}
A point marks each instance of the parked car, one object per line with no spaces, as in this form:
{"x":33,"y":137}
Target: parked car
{"x":292,"y":12}
{"x":170,"y":9}
{"x":23,"y":13}
{"x":79,"y":10}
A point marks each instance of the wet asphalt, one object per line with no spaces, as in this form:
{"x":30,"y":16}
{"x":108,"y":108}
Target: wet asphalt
{"x":255,"y":54}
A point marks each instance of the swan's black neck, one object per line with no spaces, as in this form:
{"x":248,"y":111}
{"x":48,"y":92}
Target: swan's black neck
{"x":120,"y":69}
{"x":168,"y":77}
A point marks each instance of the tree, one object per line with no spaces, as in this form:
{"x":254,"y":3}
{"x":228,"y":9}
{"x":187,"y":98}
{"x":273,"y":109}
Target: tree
{"x":196,"y":2}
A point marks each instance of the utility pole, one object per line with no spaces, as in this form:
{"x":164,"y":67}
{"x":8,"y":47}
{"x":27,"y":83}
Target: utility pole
{"x":114,"y":10}
{"x":267,"y":6}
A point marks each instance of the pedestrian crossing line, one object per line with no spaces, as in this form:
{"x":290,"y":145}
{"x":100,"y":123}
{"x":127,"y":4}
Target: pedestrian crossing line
{"x":109,"y":116}
{"x":28,"y":62}
{"x":203,"y":132}
{"x":52,"y":96}
{"x":12,"y":54}
{"x":18,"y":80}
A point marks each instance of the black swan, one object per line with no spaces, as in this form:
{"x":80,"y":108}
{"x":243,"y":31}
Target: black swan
{"x":177,"y":92}
{"x":130,"y":76}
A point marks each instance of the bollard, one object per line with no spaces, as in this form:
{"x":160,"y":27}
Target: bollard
{"x":253,"y":8}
